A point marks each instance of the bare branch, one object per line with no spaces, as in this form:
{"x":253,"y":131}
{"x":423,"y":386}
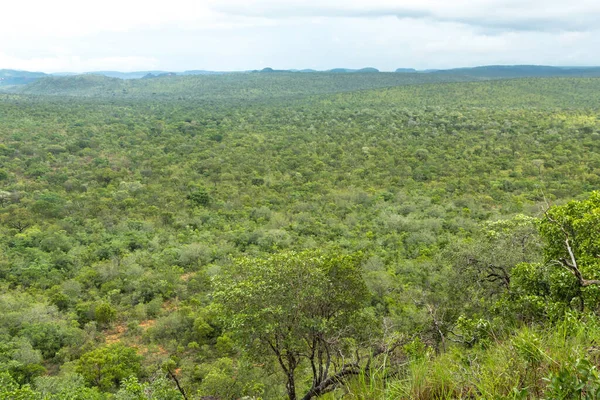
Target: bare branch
{"x":327,"y":384}
{"x":571,"y":266}
{"x":179,"y":387}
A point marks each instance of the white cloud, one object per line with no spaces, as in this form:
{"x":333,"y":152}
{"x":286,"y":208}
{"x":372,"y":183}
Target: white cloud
{"x":78,"y":36}
{"x":531,"y":15}
{"x":68,"y":18}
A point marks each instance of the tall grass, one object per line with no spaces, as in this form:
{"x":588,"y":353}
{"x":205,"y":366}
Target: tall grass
{"x":533,"y":363}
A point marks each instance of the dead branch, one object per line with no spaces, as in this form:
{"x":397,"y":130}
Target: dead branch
{"x":572,"y":265}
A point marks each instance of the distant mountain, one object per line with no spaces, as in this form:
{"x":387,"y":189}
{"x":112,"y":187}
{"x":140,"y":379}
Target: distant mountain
{"x":201,"y":72}
{"x":335,"y":70}
{"x":64,"y":74}
{"x":88,"y":84}
{"x":349,"y":70}
{"x":270,"y":70}
{"x":9,"y":77}
{"x":241,"y":86}
{"x":368,"y":69}
{"x":162,"y":75}
{"x":126,"y":75}
{"x":521,"y":71}
{"x":14,"y":73}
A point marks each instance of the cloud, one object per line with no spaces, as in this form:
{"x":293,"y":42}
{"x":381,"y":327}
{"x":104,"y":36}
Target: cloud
{"x":69,"y":35}
{"x":493,"y":15}
{"x":68,"y":18}
{"x":306,"y":10}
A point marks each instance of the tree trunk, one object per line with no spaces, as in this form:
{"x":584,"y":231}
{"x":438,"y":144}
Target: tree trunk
{"x":291,"y":386}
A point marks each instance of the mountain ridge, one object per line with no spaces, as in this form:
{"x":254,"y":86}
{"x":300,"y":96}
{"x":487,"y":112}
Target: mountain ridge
{"x":13,"y":77}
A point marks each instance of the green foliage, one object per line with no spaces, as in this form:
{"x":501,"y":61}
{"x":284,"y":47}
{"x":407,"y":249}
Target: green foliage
{"x":199,"y":197}
{"x":416,"y":349}
{"x":236,"y":86}
{"x":10,"y":390}
{"x":291,"y":296}
{"x":106,"y":366}
{"x":157,"y":389}
{"x":578,"y":380}
{"x":291,"y":305}
{"x":570,"y":249}
{"x":66,"y":386}
{"x":120,"y":209}
{"x":225,"y":379}
{"x":104,"y":313}
{"x":578,"y":219}
{"x":550,"y":363}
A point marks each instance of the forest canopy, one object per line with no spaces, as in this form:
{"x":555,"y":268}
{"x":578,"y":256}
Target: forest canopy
{"x":273,"y":236}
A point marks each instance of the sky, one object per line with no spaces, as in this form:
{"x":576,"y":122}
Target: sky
{"x":233,"y":35}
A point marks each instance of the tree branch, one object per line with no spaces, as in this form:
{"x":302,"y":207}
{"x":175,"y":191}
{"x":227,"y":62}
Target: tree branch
{"x":332,"y":381}
{"x":571,"y":266}
{"x":350,"y":369}
{"x":174,"y":377}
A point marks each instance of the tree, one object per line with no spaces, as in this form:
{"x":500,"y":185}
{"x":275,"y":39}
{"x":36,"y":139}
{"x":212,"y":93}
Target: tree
{"x":298,"y":307}
{"x":199,"y":197}
{"x":494,"y":251}
{"x":10,"y":389}
{"x":107,"y":366}
{"x":572,"y":241}
{"x":158,"y":389}
{"x":104,"y":314}
{"x":4,"y":197}
{"x":17,"y":218}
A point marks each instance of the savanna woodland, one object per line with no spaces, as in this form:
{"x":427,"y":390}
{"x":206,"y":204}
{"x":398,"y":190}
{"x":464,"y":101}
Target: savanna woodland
{"x":300,"y":236}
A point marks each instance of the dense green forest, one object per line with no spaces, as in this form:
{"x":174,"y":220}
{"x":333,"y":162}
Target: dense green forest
{"x":356,"y":236}
{"x":9,"y":78}
{"x":241,"y":86}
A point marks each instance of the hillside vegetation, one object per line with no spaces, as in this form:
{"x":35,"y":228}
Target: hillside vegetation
{"x":243,"y":86}
{"x":11,"y":77}
{"x":360,"y":236}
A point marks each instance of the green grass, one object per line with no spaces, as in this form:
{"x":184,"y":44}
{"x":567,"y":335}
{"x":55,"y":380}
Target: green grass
{"x":517,"y":367}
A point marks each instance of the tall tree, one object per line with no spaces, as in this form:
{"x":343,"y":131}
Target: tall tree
{"x":299,"y":308}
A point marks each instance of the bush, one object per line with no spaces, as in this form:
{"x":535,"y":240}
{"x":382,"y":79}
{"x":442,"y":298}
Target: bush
{"x":105,"y":367}
{"x":199,"y":197}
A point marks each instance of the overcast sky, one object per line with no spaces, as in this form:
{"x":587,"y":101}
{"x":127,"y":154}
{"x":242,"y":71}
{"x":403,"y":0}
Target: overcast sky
{"x":177,"y":35}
